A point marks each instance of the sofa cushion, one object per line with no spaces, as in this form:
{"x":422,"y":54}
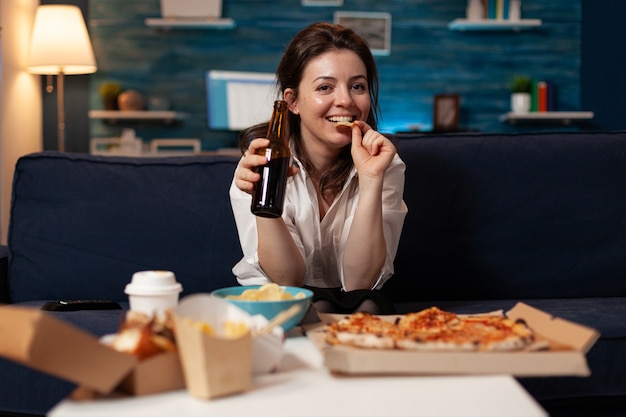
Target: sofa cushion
{"x":495,"y":216}
{"x":81,"y":225}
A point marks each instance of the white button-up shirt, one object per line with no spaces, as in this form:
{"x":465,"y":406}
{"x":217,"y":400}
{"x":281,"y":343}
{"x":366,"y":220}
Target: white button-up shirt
{"x":321,"y":243}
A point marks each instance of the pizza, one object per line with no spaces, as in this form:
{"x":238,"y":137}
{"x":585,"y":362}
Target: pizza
{"x":363,"y":330}
{"x":431,"y":329}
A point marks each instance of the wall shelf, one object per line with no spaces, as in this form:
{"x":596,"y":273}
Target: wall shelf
{"x":493,"y":24}
{"x":562,"y":117}
{"x":130,"y":115}
{"x":200,"y":23}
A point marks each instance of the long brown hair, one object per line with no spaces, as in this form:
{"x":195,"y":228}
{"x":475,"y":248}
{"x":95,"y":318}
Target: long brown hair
{"x":309,"y":43}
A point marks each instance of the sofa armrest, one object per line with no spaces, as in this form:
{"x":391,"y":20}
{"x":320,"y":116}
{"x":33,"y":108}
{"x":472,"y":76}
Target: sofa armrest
{"x":4,"y":274}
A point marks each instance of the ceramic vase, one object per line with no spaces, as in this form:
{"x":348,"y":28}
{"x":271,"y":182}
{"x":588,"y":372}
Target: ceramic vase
{"x":130,"y":100}
{"x":520,"y":102}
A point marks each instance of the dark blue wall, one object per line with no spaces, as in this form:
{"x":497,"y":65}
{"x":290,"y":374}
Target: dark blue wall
{"x":426,"y":58}
{"x":603,"y":69}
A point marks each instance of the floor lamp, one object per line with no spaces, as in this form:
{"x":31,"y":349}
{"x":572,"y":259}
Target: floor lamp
{"x":60,"y":46}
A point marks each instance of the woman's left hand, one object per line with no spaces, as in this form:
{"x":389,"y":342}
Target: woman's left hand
{"x":372,"y":152}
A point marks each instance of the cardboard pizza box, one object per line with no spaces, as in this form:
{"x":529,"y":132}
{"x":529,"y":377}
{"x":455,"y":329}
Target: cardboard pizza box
{"x":41,"y":341}
{"x":568,"y":344}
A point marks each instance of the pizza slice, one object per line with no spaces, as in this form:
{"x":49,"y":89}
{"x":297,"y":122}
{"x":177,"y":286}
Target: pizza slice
{"x":362,"y":330}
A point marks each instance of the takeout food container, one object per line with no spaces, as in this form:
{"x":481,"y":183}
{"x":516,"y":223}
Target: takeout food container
{"x":568,"y":344}
{"x":214,"y":364}
{"x":41,"y":341}
{"x":48,"y":344}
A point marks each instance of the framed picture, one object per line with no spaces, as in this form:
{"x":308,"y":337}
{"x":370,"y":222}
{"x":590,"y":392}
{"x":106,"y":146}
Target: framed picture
{"x":322,"y":2}
{"x":446,"y":112}
{"x":374,"y":27}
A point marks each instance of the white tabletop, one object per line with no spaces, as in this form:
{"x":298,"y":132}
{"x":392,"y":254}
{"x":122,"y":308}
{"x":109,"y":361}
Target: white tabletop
{"x":303,"y":387}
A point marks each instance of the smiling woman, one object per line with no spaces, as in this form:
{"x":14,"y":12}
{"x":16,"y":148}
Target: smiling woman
{"x":343,"y":214}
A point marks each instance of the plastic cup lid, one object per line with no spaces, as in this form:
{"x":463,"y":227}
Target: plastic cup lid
{"x":153,"y":283}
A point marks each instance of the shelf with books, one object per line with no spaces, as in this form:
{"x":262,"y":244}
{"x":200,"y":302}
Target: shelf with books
{"x":561,"y":117}
{"x":494,"y":24}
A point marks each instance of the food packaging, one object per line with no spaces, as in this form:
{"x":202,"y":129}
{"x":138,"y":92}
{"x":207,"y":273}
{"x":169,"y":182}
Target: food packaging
{"x":42,"y":342}
{"x":568,"y":343}
{"x":214,"y":365}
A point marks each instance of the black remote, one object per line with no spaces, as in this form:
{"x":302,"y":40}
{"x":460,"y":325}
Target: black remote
{"x":76,"y":305}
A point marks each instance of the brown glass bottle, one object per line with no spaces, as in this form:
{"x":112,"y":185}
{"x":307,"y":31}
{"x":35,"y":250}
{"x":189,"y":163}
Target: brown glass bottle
{"x":269,"y":192}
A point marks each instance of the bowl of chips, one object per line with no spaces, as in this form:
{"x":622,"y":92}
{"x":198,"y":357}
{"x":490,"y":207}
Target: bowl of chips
{"x":269,"y":300}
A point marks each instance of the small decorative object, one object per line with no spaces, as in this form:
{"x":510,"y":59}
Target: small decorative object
{"x":515,"y":10}
{"x":521,"y":87}
{"x":130,"y":100}
{"x":375,"y":27}
{"x":109,"y":91}
{"x":475,"y":10}
{"x":158,"y":103}
{"x":129,"y":143}
{"x":446,"y":112}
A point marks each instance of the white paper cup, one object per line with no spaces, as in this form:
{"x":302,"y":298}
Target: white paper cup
{"x":153,"y":292}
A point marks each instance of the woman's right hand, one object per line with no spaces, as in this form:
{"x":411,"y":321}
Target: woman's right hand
{"x":245,"y":174}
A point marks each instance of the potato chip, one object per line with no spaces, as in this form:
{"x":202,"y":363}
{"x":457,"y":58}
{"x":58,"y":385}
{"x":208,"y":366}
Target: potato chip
{"x":270,"y":292}
{"x":267,"y":292}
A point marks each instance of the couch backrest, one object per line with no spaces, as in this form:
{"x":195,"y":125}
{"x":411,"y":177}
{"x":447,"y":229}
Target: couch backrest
{"x":81,"y":225}
{"x":513,"y":216}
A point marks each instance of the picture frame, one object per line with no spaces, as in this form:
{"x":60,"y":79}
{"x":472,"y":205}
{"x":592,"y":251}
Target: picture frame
{"x":332,"y":3}
{"x":446,"y":112}
{"x":375,"y":27}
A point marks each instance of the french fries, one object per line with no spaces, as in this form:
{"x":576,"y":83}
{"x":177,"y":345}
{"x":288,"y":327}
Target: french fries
{"x":230,"y":330}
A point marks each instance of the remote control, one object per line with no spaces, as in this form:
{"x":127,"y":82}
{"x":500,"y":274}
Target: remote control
{"x":76,"y":305}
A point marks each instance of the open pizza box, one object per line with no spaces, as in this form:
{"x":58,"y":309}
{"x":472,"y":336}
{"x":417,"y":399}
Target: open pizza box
{"x":567,"y":344}
{"x":42,"y":342}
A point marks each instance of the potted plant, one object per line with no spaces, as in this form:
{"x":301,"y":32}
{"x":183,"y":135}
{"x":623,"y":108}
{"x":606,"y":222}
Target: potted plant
{"x":521,"y":87}
{"x":109,"y":91}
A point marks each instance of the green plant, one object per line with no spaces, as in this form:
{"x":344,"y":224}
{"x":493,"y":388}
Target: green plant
{"x":110,"y":90}
{"x":521,"y":84}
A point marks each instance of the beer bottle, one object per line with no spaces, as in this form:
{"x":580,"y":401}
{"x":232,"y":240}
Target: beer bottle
{"x":269,"y":191}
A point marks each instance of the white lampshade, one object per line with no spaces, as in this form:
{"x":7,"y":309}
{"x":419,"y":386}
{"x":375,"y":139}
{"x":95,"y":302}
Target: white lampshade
{"x":60,"y":42}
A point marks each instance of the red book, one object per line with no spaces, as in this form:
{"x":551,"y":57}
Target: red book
{"x":542,"y":99}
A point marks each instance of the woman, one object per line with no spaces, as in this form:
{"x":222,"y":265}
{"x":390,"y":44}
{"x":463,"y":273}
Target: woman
{"x":343,"y":211}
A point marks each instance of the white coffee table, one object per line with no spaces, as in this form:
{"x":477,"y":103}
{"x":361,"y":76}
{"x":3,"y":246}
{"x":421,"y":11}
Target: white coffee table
{"x":303,"y":387}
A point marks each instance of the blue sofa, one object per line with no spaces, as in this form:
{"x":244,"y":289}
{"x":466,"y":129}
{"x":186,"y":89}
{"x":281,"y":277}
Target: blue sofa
{"x":493,"y":219}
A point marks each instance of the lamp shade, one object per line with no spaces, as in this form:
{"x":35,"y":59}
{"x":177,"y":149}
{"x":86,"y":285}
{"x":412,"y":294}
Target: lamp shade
{"x":60,"y":42}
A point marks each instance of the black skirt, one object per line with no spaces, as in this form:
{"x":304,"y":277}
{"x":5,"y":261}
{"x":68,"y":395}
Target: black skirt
{"x":346,"y":302}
